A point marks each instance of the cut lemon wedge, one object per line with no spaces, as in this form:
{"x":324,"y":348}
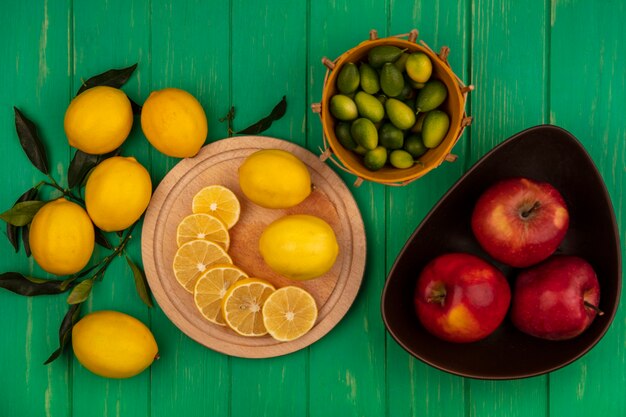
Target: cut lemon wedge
{"x":202,"y":226}
{"x":218,"y":201}
{"x":211,"y":288}
{"x":193,"y":258}
{"x":242,"y":305}
{"x":289,"y":313}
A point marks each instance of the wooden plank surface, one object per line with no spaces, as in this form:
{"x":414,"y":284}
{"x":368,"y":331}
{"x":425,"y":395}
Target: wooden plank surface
{"x":114,"y":39}
{"x":508,"y":67}
{"x":589,"y":112}
{"x":263,"y":56}
{"x":411,"y":382}
{"x":30,"y":330}
{"x":531,"y":62}
{"x":191,"y":53}
{"x":347,"y":366}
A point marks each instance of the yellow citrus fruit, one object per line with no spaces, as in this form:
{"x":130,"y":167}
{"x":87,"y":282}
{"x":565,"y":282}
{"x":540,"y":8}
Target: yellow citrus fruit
{"x":274,"y":178}
{"x":113,"y":344}
{"x":202,"y":226}
{"x":98,"y":120}
{"x":217,"y":201}
{"x":61,"y":237}
{"x":299,"y":246}
{"x":289,"y":313}
{"x":117,"y":193}
{"x":174,"y":122}
{"x":193,"y":258}
{"x":211,"y":288}
{"x":242,"y":306}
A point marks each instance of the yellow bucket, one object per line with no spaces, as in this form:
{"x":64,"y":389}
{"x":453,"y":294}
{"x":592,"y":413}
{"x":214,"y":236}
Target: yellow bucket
{"x":454,"y":106}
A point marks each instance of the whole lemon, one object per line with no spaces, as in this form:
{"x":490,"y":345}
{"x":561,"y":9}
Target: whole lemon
{"x":299,"y":246}
{"x":98,"y":120}
{"x":174,"y":122}
{"x":113,"y":344}
{"x":117,"y":193}
{"x":274,"y":178}
{"x":61,"y":237}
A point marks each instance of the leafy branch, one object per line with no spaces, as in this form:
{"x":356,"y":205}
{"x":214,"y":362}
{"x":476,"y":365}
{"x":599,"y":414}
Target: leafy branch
{"x":262,"y":125}
{"x":21,"y":214}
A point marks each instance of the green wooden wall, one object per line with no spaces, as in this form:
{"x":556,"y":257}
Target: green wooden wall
{"x":532,"y":62}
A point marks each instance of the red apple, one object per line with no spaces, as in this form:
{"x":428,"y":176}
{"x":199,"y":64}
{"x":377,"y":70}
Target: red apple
{"x":520,"y":222}
{"x":557,"y":299}
{"x":461,"y":298}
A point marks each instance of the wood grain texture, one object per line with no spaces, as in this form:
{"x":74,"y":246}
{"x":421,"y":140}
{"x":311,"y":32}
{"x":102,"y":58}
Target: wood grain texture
{"x":190,"y":49}
{"x":218,"y":163}
{"x":590,"y":111}
{"x":508,"y":62}
{"x":508,"y":50}
{"x":410,"y":382}
{"x":347,"y":374}
{"x":532,"y":62}
{"x":112,"y":34}
{"x":33,"y":72}
{"x":267,"y":63}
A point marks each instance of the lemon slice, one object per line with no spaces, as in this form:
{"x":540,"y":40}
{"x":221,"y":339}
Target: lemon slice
{"x":193,"y":258}
{"x":211,"y":288}
{"x":289,"y":313}
{"x":242,"y":304}
{"x":202,"y":226}
{"x":218,"y":201}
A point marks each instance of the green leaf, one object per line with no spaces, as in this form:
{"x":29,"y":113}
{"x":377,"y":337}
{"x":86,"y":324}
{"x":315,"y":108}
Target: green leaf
{"x":65,"y":284}
{"x":29,"y":286}
{"x":22,"y":213}
{"x":29,"y":139}
{"x":80,"y":292}
{"x":101,"y":239}
{"x":135,"y":107}
{"x":82,"y":163}
{"x":13,"y":231}
{"x":65,"y":331}
{"x":13,"y":236}
{"x":26,"y":240}
{"x":141,"y":283}
{"x":113,"y":78}
{"x":79,"y":167}
{"x":262,"y":125}
{"x":37,"y":280}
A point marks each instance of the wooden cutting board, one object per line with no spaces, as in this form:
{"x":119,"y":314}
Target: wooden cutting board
{"x":218,"y":163}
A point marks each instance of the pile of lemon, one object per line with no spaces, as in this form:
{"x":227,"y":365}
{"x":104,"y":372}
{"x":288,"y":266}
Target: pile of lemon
{"x":118,"y":190}
{"x":223,"y":293}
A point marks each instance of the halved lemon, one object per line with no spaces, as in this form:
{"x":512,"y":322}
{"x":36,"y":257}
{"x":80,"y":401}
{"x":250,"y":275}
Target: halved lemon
{"x":211,"y":288}
{"x":242,"y":305}
{"x":218,"y":201}
{"x":202,"y":226}
{"x":289,"y":313}
{"x":193,"y":258}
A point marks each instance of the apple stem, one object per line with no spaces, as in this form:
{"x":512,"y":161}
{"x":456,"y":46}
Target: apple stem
{"x":595,"y":308}
{"x":437,"y":296}
{"x":528,"y":212}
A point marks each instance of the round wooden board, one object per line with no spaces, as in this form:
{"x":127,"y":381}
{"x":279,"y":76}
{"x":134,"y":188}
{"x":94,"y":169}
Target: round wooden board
{"x":218,"y":163}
